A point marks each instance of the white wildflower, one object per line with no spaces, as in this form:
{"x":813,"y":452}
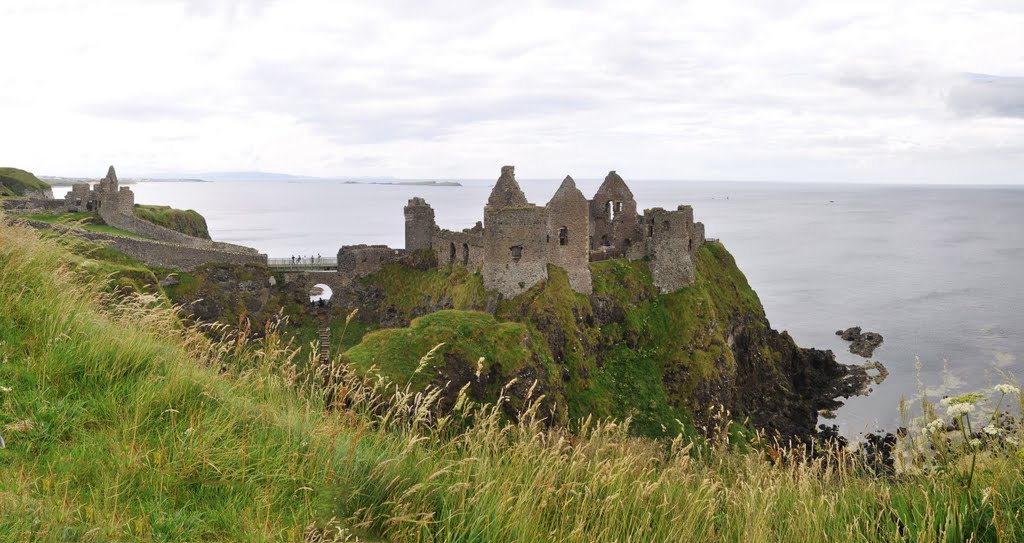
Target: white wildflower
{"x":945,"y":402}
{"x":1013,"y":441}
{"x":1007,"y":389}
{"x":5,"y":389}
{"x":976,"y":443}
{"x":959,"y":409}
{"x":992,"y":430}
{"x":934,"y":426}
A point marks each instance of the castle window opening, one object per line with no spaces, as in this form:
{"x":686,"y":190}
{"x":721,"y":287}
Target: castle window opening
{"x":610,"y":210}
{"x":563,"y":236}
{"x":618,"y":207}
{"x":629,"y":242}
{"x":517,"y":253}
{"x":650,"y":230}
{"x":605,"y":242}
{"x":465,"y":254}
{"x":665,"y":226}
{"x":689,"y":245}
{"x":451,"y":253}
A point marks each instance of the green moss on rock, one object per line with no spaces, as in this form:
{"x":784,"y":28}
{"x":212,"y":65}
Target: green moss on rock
{"x":409,"y":292}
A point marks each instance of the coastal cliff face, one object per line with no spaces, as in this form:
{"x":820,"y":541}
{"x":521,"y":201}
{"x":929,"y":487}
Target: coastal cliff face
{"x":668,"y":362}
{"x":20,"y":183}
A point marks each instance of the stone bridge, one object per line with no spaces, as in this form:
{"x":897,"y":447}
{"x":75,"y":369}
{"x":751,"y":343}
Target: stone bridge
{"x":326,"y":263}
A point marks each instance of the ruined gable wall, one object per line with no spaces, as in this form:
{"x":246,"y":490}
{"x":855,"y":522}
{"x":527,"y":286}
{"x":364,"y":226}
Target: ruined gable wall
{"x":507,"y":227}
{"x":618,"y":224}
{"x":574,"y":256}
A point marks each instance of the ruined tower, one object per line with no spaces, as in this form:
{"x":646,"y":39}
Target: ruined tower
{"x":568,"y":234}
{"x":514,"y":239}
{"x":419,"y":224}
{"x":613,"y":217}
{"x":672,"y":240}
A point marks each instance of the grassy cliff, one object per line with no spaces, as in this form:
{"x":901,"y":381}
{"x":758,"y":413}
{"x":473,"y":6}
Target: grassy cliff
{"x":120,"y":424}
{"x":187,"y":222}
{"x":15,"y":182}
{"x":624,"y":352}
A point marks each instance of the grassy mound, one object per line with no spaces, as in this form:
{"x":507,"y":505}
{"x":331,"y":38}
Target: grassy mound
{"x":15,"y":182}
{"x":121,"y":425}
{"x":187,"y":222}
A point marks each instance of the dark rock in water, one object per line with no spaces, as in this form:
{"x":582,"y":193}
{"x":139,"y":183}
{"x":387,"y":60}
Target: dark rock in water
{"x":863,"y":343}
{"x":849,"y":334}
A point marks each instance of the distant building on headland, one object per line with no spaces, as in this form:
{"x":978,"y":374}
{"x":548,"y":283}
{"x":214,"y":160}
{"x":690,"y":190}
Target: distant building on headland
{"x":104,"y":197}
{"x":517,"y":240}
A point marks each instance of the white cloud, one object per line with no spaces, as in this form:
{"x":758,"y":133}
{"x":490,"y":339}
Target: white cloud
{"x":874,"y":90}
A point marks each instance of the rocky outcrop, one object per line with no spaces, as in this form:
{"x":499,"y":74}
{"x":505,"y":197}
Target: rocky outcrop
{"x":625,"y":350}
{"x":862,"y":343}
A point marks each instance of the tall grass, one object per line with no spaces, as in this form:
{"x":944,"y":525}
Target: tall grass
{"x":122,"y":424}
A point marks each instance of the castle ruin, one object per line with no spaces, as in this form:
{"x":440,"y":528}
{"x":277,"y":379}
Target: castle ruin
{"x":105,"y":197}
{"x":517,"y":240}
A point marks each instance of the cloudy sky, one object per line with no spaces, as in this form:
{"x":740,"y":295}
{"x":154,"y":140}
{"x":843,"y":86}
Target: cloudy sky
{"x":909,"y":90}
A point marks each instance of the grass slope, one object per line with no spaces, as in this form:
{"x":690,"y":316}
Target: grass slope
{"x":15,"y":182}
{"x":121,"y":425}
{"x":187,"y":222}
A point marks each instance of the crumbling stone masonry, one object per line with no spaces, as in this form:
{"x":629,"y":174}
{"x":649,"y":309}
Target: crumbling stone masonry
{"x":517,"y":240}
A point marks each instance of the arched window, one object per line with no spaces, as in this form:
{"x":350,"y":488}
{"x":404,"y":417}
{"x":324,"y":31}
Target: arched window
{"x":605,"y":241}
{"x":465,"y":254}
{"x":451,"y":253}
{"x":563,"y":236}
{"x":517,"y":253}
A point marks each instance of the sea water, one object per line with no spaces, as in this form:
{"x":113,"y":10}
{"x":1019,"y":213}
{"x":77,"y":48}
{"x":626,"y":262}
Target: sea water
{"x":937,"y":270}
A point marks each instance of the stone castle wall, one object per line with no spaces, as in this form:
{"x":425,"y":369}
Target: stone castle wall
{"x":515,"y":248}
{"x":672,"y":240}
{"x":517,"y":239}
{"x":464,"y":248}
{"x":162,"y":254}
{"x":33,"y":205}
{"x":362,"y":260}
{"x":113,"y":216}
